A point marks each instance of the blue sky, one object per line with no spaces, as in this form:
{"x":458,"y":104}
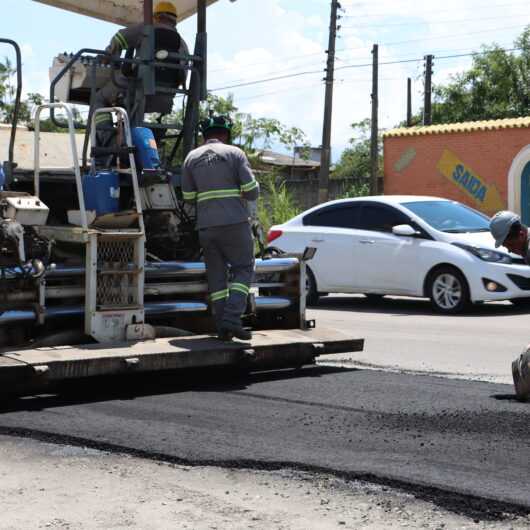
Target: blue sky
{"x":251,"y":40}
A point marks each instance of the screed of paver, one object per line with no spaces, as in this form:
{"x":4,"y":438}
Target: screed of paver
{"x":56,"y":486}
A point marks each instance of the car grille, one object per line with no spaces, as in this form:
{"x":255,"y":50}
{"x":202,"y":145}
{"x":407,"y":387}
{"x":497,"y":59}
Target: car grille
{"x":521,"y":281}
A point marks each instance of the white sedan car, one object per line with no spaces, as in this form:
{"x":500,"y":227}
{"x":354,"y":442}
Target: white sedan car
{"x":407,"y":246}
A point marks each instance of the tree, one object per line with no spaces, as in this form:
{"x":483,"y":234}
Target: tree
{"x":8,"y":92}
{"x":27,"y":106}
{"x":496,"y":86}
{"x":355,"y":160}
{"x":247,"y":131}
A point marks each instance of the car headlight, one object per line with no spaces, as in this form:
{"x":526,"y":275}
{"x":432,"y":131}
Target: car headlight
{"x":486,"y":254}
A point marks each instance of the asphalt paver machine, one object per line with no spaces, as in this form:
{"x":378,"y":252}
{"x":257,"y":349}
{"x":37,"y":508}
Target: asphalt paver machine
{"x":100,"y":270}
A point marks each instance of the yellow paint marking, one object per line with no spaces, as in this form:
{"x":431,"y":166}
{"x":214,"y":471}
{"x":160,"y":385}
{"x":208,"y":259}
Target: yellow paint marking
{"x":485,"y":195}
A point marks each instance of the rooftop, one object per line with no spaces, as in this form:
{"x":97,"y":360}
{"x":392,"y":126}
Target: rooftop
{"x":469,"y":126}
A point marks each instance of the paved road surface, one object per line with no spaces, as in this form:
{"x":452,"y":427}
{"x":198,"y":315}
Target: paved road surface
{"x":415,"y":431}
{"x":405,"y":334}
{"x":471,"y":438}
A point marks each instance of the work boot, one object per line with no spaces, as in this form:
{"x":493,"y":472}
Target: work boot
{"x":224,"y":335}
{"x":236,"y":330}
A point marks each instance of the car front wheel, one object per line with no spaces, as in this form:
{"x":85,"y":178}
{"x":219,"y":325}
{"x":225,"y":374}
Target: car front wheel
{"x":448,"y":291}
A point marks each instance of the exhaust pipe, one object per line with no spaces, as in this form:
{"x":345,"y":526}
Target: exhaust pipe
{"x":152,"y":309}
{"x":168,"y":269}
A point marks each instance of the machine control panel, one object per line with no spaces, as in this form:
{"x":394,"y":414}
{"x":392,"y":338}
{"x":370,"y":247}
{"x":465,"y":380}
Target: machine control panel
{"x":74,"y":86}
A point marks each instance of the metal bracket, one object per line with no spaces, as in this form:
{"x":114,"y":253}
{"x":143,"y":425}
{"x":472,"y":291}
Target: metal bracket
{"x":249,"y":354}
{"x":132,"y":362}
{"x":319,"y":348}
{"x":142,"y":331}
{"x":41,"y":369}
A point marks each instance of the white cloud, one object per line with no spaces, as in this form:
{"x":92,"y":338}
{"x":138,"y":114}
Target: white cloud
{"x":26,"y":51}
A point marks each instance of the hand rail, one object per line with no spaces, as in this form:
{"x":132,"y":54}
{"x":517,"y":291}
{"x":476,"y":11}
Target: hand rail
{"x":10,"y":166}
{"x":122,"y":114}
{"x":75,"y":156}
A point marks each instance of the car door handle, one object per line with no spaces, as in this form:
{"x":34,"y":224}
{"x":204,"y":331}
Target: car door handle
{"x":317,"y":240}
{"x":367,"y":241}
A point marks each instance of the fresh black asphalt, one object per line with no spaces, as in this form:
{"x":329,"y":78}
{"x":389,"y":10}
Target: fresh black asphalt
{"x":425,"y":434}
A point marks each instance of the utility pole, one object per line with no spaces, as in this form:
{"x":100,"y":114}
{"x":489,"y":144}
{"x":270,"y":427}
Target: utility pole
{"x":409,"y":102}
{"x":374,"y":150}
{"x":427,"y":107}
{"x":325,"y":155}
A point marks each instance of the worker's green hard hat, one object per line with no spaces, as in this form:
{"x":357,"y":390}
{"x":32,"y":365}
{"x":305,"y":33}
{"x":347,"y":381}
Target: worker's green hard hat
{"x":216,"y":122}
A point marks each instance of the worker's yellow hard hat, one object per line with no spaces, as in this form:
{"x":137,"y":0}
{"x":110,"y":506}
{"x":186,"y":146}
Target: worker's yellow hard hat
{"x":165,"y":7}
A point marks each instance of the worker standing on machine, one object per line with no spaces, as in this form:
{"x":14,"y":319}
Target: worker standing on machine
{"x":219,"y":178}
{"x":130,"y":38}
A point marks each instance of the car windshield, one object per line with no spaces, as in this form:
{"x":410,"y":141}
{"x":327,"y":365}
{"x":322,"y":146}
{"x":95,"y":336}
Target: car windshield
{"x":449,"y":216}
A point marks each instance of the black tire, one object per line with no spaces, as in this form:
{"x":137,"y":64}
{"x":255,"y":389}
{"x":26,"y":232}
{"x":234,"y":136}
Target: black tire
{"x":448,"y":291}
{"x":271,"y":252}
{"x":374,"y":298}
{"x":312,"y":295}
{"x":523,"y":303}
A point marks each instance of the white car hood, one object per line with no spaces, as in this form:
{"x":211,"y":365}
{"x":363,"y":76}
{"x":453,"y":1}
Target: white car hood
{"x":476,"y":239}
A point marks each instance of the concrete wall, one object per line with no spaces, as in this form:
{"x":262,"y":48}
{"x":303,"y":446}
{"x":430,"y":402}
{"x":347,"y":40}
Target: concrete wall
{"x":55,"y":149}
{"x":471,"y":167}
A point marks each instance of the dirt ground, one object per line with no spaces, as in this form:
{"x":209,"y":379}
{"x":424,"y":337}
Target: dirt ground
{"x":55,"y":486}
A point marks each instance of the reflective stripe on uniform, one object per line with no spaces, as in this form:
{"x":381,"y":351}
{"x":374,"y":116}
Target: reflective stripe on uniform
{"x":189,"y":195}
{"x":219,"y":295}
{"x":121,"y":40}
{"x":249,"y":186}
{"x":218,"y":194}
{"x":103,"y":118}
{"x":240,"y":288}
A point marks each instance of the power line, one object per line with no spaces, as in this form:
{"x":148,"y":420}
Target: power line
{"x":436,"y":37}
{"x":339,"y":84}
{"x":312,"y":54}
{"x":425,"y":22}
{"x":260,"y":81}
{"x":348,"y":67}
{"x":480,"y":6}
{"x":290,"y":89}
{"x":278,"y":60}
{"x":288,"y":69}
{"x":236,"y":83}
{"x":473,"y":53}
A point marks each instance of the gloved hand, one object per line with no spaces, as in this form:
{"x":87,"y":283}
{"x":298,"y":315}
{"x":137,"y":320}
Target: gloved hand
{"x":252,"y":207}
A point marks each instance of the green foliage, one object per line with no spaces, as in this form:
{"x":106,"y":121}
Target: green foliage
{"x":355,"y":160}
{"x":496,"y":86}
{"x":266,"y":131}
{"x":8,"y":91}
{"x":275,"y":205}
{"x":247,"y":131}
{"x":357,"y":189}
{"x":7,"y":102}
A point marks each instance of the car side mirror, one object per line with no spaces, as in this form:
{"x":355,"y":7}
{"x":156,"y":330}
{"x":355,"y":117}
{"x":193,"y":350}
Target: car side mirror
{"x":404,"y":230}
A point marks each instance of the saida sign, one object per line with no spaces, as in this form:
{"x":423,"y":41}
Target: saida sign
{"x":485,"y":195}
